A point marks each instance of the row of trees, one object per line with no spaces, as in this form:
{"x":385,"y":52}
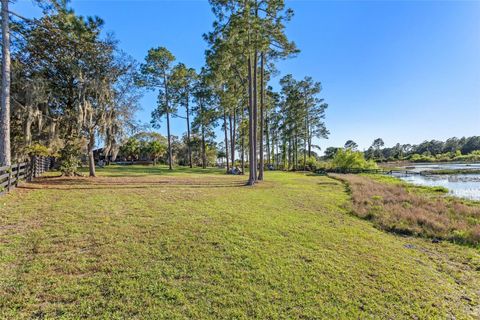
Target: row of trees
{"x":72,"y":88}
{"x":450,"y":148}
{"x":258,"y":124}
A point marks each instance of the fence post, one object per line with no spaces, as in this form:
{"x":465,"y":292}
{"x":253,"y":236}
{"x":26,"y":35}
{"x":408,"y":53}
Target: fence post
{"x":28,"y":169}
{"x":38,"y":166}
{"x":18,"y":174}
{"x":9,"y":178}
{"x":34,"y":166}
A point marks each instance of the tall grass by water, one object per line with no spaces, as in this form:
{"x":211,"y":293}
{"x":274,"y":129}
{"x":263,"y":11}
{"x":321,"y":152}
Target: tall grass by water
{"x":413,"y":210}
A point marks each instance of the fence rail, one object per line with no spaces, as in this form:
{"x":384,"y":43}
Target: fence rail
{"x":40,"y":165}
{"x":10,"y":176}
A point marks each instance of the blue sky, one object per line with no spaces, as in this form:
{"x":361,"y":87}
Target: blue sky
{"x":404,"y":71}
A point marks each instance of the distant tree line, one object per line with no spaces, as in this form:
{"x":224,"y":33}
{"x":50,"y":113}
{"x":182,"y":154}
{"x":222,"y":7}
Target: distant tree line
{"x":462,"y":149}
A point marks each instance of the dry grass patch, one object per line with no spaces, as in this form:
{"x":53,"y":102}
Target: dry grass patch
{"x":394,"y":207}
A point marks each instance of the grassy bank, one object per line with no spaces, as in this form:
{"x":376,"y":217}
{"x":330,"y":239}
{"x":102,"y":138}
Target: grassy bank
{"x":421,"y":211}
{"x":451,"y":171}
{"x":141,"y":242}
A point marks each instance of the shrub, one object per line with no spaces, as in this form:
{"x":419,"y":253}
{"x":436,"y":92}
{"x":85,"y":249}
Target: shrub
{"x":346,"y":159}
{"x":421,"y":158}
{"x":471,"y":157}
{"x":70,"y":158}
{"x":310,"y":163}
{"x":38,"y":150}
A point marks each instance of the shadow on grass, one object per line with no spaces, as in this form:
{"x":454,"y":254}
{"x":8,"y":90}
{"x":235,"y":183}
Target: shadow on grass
{"x":139,"y":170}
{"x":129,"y":182}
{"x":129,"y":186}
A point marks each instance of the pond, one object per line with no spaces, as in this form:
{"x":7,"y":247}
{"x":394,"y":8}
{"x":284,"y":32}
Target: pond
{"x":460,"y":185}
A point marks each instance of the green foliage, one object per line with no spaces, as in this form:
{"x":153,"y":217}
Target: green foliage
{"x":70,"y":157}
{"x":444,"y":157}
{"x":38,"y":150}
{"x":350,"y":144}
{"x":346,"y":159}
{"x":300,"y":114}
{"x":421,"y":158}
{"x":156,"y":149}
{"x":453,"y":149}
{"x":211,"y":153}
{"x":330,"y":153}
{"x":471,"y":157}
{"x":131,"y":148}
{"x":310,"y":163}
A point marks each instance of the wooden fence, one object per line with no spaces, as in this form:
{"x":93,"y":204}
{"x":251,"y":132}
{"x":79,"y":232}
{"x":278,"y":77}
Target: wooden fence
{"x":40,"y":165}
{"x":10,"y":176}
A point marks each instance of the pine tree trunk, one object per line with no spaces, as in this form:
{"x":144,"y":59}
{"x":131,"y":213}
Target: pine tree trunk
{"x":275,"y":160}
{"x":232,"y":120}
{"x":170,"y":160}
{"x":305,"y":145}
{"x":255,"y":111}
{"x":309,"y":145}
{"x":296,"y":153}
{"x":289,"y":153}
{"x":267,"y":138}
{"x":305,"y":158}
{"x":91,"y":159}
{"x":226,"y":138}
{"x":251,"y":144}
{"x":5,"y":152}
{"x":189,"y":146}
{"x":243,"y":141}
{"x":204,"y":151}
{"x":169,"y":142}
{"x":262,"y":106}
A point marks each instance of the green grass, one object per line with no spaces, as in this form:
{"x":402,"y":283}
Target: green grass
{"x":142,"y":242}
{"x":413,"y":188}
{"x":451,"y":171}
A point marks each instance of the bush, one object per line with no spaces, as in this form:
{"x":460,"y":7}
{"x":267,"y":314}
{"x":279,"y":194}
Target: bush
{"x":471,"y":157}
{"x":70,"y":158}
{"x":38,"y":150}
{"x":421,"y":158}
{"x":346,"y":159}
{"x":310,"y":163}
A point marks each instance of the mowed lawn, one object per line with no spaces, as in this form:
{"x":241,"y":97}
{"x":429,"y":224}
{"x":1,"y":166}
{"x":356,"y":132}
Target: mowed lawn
{"x":140,"y":242}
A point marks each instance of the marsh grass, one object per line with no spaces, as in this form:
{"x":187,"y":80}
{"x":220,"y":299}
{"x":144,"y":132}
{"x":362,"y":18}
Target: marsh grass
{"x":421,"y":211}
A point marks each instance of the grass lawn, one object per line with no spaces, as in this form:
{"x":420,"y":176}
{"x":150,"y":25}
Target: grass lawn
{"x":141,"y":242}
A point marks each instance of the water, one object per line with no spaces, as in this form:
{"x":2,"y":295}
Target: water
{"x":459,"y":185}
